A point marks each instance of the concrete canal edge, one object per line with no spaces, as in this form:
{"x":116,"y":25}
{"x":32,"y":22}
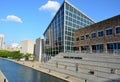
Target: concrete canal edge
{"x":2,"y":77}
{"x":46,"y":71}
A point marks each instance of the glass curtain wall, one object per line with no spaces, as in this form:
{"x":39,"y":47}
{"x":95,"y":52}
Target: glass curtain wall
{"x":74,"y":20}
{"x":59,"y":34}
{"x":54,"y":35}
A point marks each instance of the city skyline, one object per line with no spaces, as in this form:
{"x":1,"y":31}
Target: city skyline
{"x":22,"y":20}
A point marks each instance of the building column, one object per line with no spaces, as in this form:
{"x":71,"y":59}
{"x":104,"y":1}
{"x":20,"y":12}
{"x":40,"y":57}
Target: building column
{"x":80,"y":49}
{"x":90,"y":46}
{"x":105,"y":47}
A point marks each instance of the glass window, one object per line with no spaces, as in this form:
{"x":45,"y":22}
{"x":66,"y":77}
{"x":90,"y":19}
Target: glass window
{"x":100,"y":34}
{"x":78,"y":17}
{"x":70,"y":24}
{"x":74,"y":20}
{"x":81,"y":19}
{"x":93,"y":35}
{"x":71,"y":9}
{"x":109,"y":31}
{"x":82,"y":37}
{"x":97,"y":48}
{"x":77,"y":39}
{"x":66,"y":22}
{"x":66,"y":17}
{"x":113,"y":47}
{"x":67,"y":47}
{"x":78,"y":22}
{"x":117,"y":30}
{"x":84,"y":49}
{"x":70,"y":14}
{"x":66,"y":12}
{"x":77,"y":26}
{"x":87,"y":37}
{"x":75,"y":11}
{"x":70,"y":19}
{"x":69,"y":33}
{"x":74,"y":16}
{"x":67,"y":6}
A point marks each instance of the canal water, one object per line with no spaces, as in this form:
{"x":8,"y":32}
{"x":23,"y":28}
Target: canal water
{"x":19,"y":73}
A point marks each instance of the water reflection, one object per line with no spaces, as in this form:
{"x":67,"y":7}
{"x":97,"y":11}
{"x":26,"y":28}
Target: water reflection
{"x":18,"y":73}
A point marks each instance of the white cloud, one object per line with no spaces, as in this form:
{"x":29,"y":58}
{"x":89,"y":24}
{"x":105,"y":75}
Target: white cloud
{"x":14,"y":45}
{"x":50,"y":6}
{"x":12,"y":18}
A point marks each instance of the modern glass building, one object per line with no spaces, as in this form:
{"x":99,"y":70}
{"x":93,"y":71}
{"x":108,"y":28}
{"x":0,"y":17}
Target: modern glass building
{"x":59,"y":33}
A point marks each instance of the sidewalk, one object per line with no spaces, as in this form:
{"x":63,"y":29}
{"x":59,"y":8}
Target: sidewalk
{"x":2,"y":77}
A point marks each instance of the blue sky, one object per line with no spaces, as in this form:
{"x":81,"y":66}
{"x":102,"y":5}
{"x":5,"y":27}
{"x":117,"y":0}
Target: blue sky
{"x":28,"y":19}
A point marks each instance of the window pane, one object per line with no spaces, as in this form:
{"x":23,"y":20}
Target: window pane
{"x":118,"y":30}
{"x":82,"y":37}
{"x":87,"y":37}
{"x":93,"y":35}
{"x":100,"y":34}
{"x":109,"y":32}
{"x":77,"y":39}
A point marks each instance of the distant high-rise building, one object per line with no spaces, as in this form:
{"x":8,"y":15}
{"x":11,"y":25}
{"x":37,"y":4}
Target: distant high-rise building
{"x":39,"y":49}
{"x":59,"y":33}
{"x":2,"y":45}
{"x":27,"y":46}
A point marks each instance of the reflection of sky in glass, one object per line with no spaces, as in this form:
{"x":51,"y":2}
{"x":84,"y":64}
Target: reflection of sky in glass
{"x":18,"y":73}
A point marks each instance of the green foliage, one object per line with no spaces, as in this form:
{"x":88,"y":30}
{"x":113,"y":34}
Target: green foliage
{"x":28,"y":55}
{"x":10,"y":54}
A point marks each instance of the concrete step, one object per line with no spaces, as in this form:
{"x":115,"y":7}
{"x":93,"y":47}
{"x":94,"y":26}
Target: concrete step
{"x":100,"y":64}
{"x":107,"y":75}
{"x":96,"y":68}
{"x":82,"y":67}
{"x":81,"y":75}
